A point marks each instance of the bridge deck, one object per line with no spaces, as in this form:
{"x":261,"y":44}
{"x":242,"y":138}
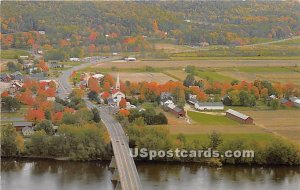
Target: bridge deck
{"x":129,"y":177}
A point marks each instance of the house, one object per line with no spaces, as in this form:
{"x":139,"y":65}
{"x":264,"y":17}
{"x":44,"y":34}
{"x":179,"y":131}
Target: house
{"x":20,"y":125}
{"x":42,"y":32}
{"x":74,"y":59}
{"x":296,"y":101}
{"x":40,"y":52}
{"x":17,"y":76}
{"x":38,"y":76}
{"x":5,"y":77}
{"x":166,"y":101}
{"x":209,"y":106}
{"x":111,"y":102}
{"x":98,"y":76}
{"x":178,"y":112}
{"x":239,"y":117}
{"x":192,"y":99}
{"x":14,"y":87}
{"x":27,"y":131}
{"x":54,"y":64}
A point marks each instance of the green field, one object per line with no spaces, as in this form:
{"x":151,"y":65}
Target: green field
{"x":262,"y":69}
{"x":208,"y":119}
{"x":13,"y":53}
{"x":213,"y":76}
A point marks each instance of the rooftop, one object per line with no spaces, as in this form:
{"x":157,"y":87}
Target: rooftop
{"x":238,"y":114}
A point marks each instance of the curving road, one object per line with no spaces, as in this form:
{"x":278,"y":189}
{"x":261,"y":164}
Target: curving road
{"x":129,"y":178}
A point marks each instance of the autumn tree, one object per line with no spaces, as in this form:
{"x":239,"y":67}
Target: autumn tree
{"x":35,"y":115}
{"x":122,"y":103}
{"x":93,"y":85}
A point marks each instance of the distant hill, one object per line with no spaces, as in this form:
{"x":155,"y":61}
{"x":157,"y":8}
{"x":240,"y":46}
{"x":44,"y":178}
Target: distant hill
{"x":110,"y":25}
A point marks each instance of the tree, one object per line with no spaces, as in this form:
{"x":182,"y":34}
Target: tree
{"x":93,"y":85}
{"x":8,"y":141}
{"x":189,"y":80}
{"x":45,"y":125}
{"x":122,"y":103}
{"x":275,"y":104}
{"x":215,"y":140}
{"x":124,"y":112}
{"x":92,"y":95}
{"x":35,"y":115}
{"x":96,"y":115}
{"x":12,"y":67}
{"x":11,"y":103}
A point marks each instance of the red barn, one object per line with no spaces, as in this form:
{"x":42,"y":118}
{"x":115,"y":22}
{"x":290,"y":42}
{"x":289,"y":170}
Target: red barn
{"x":239,"y":117}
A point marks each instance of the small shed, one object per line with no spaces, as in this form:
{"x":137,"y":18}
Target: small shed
{"x":239,"y":117}
{"x":22,"y":124}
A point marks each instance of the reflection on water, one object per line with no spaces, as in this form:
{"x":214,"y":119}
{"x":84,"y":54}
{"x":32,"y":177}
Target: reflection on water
{"x":65,"y":175}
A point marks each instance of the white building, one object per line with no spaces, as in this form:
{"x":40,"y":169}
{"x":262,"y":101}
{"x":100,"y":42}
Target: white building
{"x":74,"y":59}
{"x":296,"y":101}
{"x":130,"y":59}
{"x":209,"y":106}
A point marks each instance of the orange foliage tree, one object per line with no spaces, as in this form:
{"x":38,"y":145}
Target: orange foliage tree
{"x":124,"y":112}
{"x":93,"y":85}
{"x":35,"y":115}
{"x":122,"y":103}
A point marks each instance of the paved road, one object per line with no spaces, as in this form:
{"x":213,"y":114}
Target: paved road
{"x":129,"y":177}
{"x":65,"y":88}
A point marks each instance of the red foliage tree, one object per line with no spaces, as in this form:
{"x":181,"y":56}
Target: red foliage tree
{"x":93,"y":85}
{"x":35,"y":115}
{"x":124,"y":112}
{"x":57,"y":117}
{"x":4,"y":94}
{"x":122,"y":103}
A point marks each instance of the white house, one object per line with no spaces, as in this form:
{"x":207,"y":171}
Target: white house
{"x":209,"y":106}
{"x":74,"y":59}
{"x":98,"y":76}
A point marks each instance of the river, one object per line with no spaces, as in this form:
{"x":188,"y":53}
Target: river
{"x":66,"y":175}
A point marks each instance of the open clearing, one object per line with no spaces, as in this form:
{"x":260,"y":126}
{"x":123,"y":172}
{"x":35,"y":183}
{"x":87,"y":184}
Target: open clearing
{"x":145,"y":76}
{"x":283,"y":122}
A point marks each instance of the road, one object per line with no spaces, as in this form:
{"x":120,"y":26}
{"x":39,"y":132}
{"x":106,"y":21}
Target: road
{"x":65,"y":88}
{"x":129,"y":177}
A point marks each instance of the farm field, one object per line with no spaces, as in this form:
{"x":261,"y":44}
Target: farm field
{"x":144,"y":76}
{"x":12,"y":53}
{"x":283,"y":122}
{"x":199,"y":63}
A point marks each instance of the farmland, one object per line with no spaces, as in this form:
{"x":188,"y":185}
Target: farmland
{"x":144,"y":76}
{"x":13,"y":53}
{"x":285,"y":123}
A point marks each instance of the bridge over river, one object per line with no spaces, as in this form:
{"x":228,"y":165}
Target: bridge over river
{"x":125,"y":172}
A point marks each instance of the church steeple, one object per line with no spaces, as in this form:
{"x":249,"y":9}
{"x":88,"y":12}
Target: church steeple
{"x":118,"y":82}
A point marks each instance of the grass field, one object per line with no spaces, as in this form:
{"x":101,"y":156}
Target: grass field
{"x":12,"y":53}
{"x":213,"y":76}
{"x":145,"y":76}
{"x":207,"y":119}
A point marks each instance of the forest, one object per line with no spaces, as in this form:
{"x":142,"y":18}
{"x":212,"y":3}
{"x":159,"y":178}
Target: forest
{"x":80,"y":28}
